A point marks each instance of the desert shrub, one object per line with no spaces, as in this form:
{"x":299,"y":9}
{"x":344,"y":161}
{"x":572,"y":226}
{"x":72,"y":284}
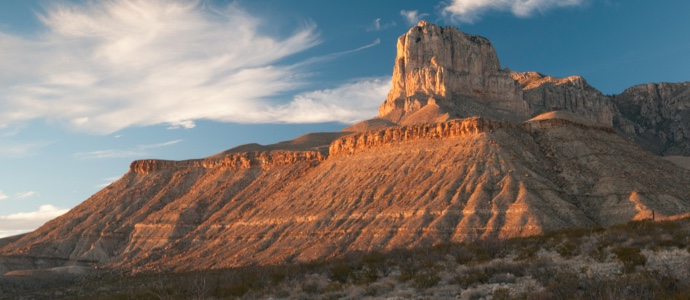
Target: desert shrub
{"x":340,"y":272}
{"x":527,"y":252}
{"x":541,"y":270}
{"x":367,"y":275}
{"x":472,"y":254}
{"x":310,"y":287}
{"x":631,"y":257}
{"x":567,"y":249}
{"x":563,"y":285}
{"x":471,"y":278}
{"x":425,"y":280}
{"x":377,"y":261}
{"x":235,"y":290}
{"x":501,"y":294}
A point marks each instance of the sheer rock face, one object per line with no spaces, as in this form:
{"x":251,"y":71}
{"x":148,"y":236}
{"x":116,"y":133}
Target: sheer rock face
{"x":446,"y":65}
{"x":545,"y":93}
{"x":230,"y":161}
{"x":657,"y":116}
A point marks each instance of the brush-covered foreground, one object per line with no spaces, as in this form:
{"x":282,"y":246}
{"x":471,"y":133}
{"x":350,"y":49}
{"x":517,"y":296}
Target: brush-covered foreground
{"x":638,"y":260}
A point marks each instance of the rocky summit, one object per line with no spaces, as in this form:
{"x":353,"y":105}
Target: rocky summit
{"x":462,"y":150}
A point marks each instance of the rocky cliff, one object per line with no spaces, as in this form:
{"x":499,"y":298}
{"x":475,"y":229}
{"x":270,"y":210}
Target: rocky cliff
{"x":445,"y":68}
{"x":545,"y":93}
{"x":441,"y":74}
{"x":231,"y":161}
{"x":657,"y":116}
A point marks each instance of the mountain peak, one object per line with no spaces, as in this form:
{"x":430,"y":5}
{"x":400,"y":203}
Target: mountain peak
{"x":442,"y":66}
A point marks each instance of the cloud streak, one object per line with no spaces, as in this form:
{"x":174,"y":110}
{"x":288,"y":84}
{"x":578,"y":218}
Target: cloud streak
{"x":377,"y":26}
{"x":107,"y":65}
{"x":119,"y":153}
{"x":470,"y":11}
{"x":412,"y":17}
{"x":18,"y":223}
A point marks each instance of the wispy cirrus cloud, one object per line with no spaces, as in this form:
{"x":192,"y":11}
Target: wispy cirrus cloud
{"x":151,"y":146}
{"x":27,"y":194}
{"x":470,"y":11}
{"x":376,"y":25}
{"x":20,"y":195}
{"x":18,"y":223}
{"x":111,"y":153}
{"x":14,"y":149}
{"x":107,"y":65}
{"x":122,"y":153}
{"x":107,"y":181}
{"x":412,"y":17}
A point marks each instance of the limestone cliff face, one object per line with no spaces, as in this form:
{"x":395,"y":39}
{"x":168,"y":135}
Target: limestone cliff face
{"x":355,"y":143}
{"x":231,"y":161}
{"x":446,"y":65}
{"x":657,"y":116}
{"x":545,"y":93}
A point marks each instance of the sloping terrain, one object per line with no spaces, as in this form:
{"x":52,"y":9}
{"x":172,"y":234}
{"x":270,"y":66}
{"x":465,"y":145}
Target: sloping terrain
{"x":398,"y":187}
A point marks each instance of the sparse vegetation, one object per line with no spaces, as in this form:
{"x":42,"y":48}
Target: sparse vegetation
{"x":629,"y":261}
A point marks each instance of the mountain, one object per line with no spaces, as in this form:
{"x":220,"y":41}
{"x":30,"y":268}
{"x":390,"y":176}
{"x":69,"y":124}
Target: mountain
{"x":461,"y":150}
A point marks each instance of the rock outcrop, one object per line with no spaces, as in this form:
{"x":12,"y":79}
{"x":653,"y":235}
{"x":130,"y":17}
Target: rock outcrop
{"x":656,"y":116}
{"x":230,"y":161}
{"x":573,"y":94}
{"x":457,"y":73}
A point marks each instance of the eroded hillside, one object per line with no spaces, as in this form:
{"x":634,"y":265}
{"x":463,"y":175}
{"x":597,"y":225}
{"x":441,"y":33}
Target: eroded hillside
{"x":397,"y":187}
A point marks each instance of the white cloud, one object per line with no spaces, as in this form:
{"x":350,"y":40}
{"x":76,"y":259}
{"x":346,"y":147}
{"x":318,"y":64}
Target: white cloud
{"x":347,"y":103}
{"x":377,"y":26}
{"x":28,"y":194}
{"x":12,"y":149}
{"x":412,"y":17}
{"x":120,"y":153}
{"x":169,"y":143}
{"x":111,"y":153}
{"x":188,"y":124}
{"x":108,"y":181}
{"x":107,"y":65}
{"x":2,"y":196}
{"x":470,"y":11}
{"x":26,"y":221}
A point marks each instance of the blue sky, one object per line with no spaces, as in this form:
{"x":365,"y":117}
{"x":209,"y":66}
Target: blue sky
{"x":88,"y":86}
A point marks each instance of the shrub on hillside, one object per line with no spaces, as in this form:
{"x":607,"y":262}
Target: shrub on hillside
{"x":631,"y":257}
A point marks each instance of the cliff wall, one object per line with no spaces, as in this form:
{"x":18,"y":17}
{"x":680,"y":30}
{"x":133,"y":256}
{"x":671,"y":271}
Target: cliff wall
{"x":445,"y":64}
{"x":354,"y":143}
{"x":656,"y":116}
{"x":232,"y":161}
